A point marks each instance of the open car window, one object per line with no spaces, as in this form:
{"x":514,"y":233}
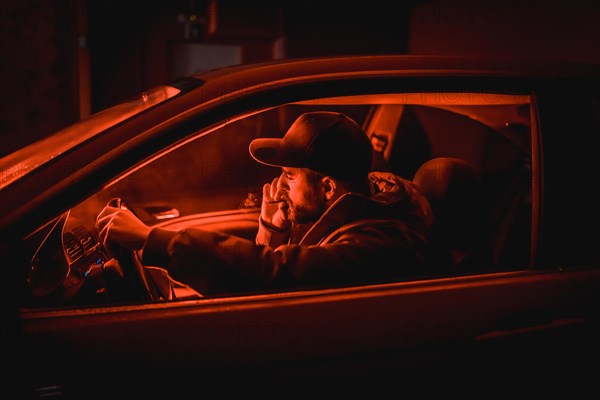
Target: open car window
{"x":211,"y":182}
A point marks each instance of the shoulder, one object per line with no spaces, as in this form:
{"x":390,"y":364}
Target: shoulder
{"x":402,"y":197}
{"x":387,"y":182}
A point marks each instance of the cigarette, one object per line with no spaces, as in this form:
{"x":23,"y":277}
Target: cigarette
{"x":275,"y":201}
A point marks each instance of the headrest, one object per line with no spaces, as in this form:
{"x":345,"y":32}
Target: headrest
{"x":454,"y":189}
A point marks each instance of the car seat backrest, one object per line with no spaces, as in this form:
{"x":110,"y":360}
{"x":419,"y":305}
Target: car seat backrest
{"x":454,"y":189}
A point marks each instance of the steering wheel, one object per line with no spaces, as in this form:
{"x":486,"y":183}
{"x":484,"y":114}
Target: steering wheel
{"x":134,"y":284}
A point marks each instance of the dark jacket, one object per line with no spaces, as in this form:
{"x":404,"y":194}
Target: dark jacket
{"x":359,"y":239}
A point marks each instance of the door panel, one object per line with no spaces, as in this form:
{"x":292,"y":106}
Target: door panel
{"x":405,"y":329}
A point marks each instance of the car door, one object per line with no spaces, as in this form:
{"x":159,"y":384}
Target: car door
{"x":477,"y":332}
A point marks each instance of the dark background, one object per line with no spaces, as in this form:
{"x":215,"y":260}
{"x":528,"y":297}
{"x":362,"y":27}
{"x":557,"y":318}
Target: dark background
{"x":61,"y":60}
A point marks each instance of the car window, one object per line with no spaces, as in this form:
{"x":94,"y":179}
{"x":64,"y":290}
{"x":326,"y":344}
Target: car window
{"x":212,"y":182}
{"x":212,"y":173}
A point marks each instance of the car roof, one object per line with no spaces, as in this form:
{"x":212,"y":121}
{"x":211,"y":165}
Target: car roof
{"x":408,"y":64}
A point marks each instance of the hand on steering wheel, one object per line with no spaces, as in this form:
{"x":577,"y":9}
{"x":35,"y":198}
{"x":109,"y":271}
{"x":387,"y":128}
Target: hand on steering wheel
{"x":122,"y":234}
{"x":119,"y":225}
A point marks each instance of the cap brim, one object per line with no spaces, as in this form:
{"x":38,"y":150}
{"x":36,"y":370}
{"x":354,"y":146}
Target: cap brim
{"x":268,"y":151}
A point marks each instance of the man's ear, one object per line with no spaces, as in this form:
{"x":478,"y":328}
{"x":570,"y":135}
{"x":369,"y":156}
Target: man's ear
{"x":329,"y":187}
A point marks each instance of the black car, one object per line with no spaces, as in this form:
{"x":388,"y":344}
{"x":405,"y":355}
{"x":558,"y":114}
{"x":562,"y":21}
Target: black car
{"x":522,"y":321}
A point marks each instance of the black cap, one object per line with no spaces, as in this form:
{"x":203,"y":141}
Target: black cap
{"x":327,"y":142}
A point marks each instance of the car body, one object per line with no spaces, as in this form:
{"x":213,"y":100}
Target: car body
{"x":178,"y":155}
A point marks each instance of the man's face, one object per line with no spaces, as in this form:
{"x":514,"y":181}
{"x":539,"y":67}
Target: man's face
{"x":303,"y":195}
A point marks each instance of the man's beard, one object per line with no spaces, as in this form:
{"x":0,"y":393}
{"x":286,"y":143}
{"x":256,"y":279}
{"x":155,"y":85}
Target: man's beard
{"x":304,"y":214}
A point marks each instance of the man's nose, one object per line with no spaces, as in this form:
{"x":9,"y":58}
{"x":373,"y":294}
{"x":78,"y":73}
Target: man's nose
{"x":282,"y":183}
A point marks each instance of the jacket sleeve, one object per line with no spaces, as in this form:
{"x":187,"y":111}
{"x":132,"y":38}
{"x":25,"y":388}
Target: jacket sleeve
{"x":353,"y":255}
{"x":204,"y":250}
{"x":270,"y":235}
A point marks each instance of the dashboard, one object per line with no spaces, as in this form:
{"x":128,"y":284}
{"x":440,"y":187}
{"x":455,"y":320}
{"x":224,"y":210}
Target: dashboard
{"x":67,"y":263}
{"x":71,"y":266}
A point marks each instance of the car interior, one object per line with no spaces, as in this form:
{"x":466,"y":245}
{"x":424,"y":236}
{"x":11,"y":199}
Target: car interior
{"x":470,"y":153}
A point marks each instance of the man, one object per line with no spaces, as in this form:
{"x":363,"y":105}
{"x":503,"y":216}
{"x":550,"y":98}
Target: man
{"x":326,"y":220}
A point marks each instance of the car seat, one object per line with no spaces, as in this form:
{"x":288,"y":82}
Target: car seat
{"x":460,"y":237}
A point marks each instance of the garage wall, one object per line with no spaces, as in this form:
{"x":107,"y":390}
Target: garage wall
{"x":39,"y":81}
{"x":548,"y":29}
